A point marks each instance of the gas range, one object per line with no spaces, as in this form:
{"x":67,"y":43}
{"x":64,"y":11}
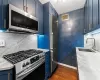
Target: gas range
{"x":21,"y":55}
{"x":25,"y":61}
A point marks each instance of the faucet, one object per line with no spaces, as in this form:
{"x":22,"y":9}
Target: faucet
{"x":92,"y":39}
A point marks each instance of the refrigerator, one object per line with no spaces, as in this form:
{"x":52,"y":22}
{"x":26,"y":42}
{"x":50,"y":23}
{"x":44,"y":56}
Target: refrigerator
{"x":53,"y":42}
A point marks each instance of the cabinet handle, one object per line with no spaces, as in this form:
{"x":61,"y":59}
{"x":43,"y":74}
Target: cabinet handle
{"x":24,"y":8}
{"x":8,"y":76}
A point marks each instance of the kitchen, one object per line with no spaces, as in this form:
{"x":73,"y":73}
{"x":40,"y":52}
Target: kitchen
{"x":49,"y":39}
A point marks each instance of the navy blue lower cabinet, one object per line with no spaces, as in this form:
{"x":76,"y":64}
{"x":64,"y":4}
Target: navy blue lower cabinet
{"x":6,"y":75}
{"x":47,"y":65}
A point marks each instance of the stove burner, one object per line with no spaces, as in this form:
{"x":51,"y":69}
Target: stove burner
{"x":21,"y":55}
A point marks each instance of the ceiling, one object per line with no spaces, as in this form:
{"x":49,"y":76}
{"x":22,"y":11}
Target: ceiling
{"x":63,"y":6}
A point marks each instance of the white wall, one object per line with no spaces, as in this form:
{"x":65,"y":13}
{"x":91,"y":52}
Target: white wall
{"x":16,"y":42}
{"x":94,"y":34}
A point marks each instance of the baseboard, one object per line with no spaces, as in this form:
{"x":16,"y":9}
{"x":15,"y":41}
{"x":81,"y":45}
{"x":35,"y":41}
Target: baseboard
{"x":72,"y":67}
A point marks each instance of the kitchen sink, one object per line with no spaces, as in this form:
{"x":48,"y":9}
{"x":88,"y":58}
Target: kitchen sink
{"x":86,"y":50}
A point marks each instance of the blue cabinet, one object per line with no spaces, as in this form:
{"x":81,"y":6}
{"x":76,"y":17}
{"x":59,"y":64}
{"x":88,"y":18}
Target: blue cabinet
{"x":31,"y":7}
{"x":27,"y":5}
{"x":34,"y":7}
{"x":1,"y":14}
{"x":17,"y":3}
{"x":90,"y":5}
{"x":92,"y":15}
{"x":99,"y":11}
{"x":39,"y":15}
{"x":6,"y":75}
{"x":95,"y":13}
{"x":86,"y":17}
{"x":3,"y":4}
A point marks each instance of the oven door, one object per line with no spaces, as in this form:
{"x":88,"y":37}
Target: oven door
{"x":34,"y":72}
{"x":37,"y":74}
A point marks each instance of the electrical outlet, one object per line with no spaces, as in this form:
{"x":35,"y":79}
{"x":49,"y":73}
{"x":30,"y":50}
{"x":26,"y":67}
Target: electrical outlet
{"x":2,"y":43}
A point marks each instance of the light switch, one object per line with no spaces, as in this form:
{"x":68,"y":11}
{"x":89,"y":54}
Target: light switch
{"x":2,"y":43}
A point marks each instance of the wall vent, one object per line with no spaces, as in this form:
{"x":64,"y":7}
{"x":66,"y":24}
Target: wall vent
{"x":65,"y":17}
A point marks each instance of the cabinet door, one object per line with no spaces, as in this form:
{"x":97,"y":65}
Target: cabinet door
{"x":99,"y":11}
{"x":95,"y":13}
{"x":39,"y":15}
{"x":6,"y":77}
{"x":31,"y":7}
{"x":5,"y":3}
{"x":86,"y":18}
{"x":17,"y":3}
{"x":90,"y":14}
{"x":1,"y":8}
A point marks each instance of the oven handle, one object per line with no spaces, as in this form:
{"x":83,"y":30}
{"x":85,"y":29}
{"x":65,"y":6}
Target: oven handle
{"x":22,"y":74}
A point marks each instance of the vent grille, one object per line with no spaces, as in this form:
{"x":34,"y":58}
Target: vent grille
{"x":65,"y":17}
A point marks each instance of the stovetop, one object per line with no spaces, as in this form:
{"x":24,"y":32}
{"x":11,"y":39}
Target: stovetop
{"x":21,"y":55}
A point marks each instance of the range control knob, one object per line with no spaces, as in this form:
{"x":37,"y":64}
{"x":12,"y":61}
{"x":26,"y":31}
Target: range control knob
{"x":23,"y":65}
{"x":27,"y":63}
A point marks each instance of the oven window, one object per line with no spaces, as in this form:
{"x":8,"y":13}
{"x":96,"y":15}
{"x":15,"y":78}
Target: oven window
{"x":38,"y":74}
{"x":22,"y":21}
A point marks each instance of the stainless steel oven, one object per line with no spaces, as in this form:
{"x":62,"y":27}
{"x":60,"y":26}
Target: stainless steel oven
{"x":29,"y":64}
{"x":34,"y":72}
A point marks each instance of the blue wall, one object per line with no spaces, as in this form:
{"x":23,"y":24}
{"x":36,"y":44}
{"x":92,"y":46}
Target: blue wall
{"x":71,"y":36}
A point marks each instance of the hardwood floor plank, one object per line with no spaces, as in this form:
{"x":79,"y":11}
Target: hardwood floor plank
{"x":64,"y":73}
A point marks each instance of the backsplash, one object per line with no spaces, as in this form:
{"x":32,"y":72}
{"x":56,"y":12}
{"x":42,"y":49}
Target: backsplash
{"x":96,"y":35}
{"x":16,"y":42}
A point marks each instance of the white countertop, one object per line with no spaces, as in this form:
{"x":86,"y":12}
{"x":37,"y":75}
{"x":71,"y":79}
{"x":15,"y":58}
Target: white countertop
{"x":44,"y":50}
{"x":5,"y":65}
{"x":88,"y":65}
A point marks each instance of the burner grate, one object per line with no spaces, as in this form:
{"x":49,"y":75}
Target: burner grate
{"x":21,"y":55}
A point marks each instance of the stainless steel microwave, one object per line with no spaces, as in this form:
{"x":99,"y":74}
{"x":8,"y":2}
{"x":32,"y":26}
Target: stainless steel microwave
{"x":18,"y":20}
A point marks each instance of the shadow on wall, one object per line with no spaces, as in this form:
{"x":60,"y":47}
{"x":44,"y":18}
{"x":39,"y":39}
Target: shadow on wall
{"x":71,"y":34}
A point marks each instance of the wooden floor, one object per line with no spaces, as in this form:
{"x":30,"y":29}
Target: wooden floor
{"x":64,"y":73}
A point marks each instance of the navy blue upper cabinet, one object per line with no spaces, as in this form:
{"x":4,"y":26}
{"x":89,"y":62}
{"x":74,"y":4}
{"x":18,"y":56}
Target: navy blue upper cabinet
{"x":18,"y":3}
{"x":1,"y":14}
{"x":39,"y":15}
{"x":31,"y":7}
{"x":90,"y":14}
{"x":86,"y":17}
{"x":95,"y":13}
{"x":99,"y":11}
{"x":3,"y":4}
{"x":26,"y":5}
